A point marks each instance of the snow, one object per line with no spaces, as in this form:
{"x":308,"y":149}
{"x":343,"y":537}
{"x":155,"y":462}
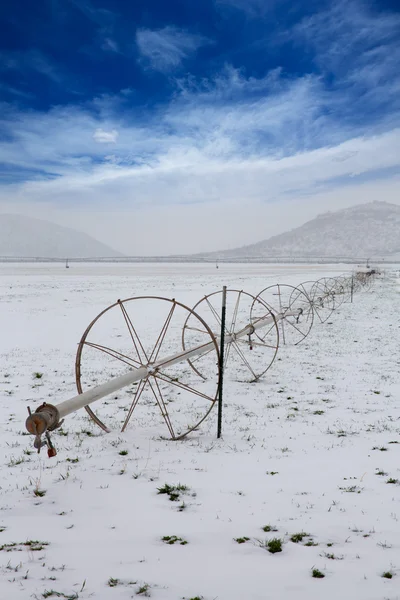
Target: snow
{"x":320,"y":419}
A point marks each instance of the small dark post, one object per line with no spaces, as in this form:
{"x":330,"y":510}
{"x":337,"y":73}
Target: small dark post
{"x":352,"y":289}
{"x":221,"y":361}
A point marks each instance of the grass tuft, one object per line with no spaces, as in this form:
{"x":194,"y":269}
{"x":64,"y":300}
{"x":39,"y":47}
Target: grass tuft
{"x":173,"y":491}
{"x":268,"y":528}
{"x":274,"y":545}
{"x":143,"y":590}
{"x":387,"y":575}
{"x":317,"y":574}
{"x":298,"y":537}
{"x":174,"y":539}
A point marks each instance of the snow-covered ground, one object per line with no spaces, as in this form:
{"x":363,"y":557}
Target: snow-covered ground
{"x":309,"y":449}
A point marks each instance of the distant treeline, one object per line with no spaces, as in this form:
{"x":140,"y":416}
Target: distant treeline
{"x":186,"y":259}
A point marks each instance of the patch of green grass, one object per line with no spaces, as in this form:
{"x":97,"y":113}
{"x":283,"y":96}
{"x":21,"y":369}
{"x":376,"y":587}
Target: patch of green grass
{"x":311,"y":543}
{"x":273,"y":546}
{"x":112,"y":582}
{"x":13,"y":462}
{"x":387,"y":575}
{"x":72,"y":460}
{"x":332,"y":556}
{"x":37,"y":375}
{"x":143,"y":590}
{"x":174,"y":539}
{"x":241,"y":540}
{"x":8,"y":547}
{"x":317,"y":574}
{"x":318,"y":412}
{"x":53,"y":593}
{"x":268,"y":528}
{"x":123,"y":452}
{"x":392,"y":480}
{"x":380,"y":472}
{"x":351,"y":489}
{"x":39,"y":493}
{"x":34,"y":545}
{"x":173,"y":491}
{"x":298,"y":537}
{"x":382,"y":448}
{"x":272,"y":472}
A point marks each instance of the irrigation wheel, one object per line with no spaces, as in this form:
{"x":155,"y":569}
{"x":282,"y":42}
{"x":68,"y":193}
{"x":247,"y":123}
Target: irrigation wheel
{"x":322,"y":300}
{"x":248,"y":356}
{"x":284,"y":300}
{"x":146,"y":331}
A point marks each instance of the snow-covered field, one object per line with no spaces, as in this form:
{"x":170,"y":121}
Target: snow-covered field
{"x":310,"y":449}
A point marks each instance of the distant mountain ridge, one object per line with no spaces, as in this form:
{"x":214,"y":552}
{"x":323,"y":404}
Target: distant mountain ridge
{"x":365,"y":230}
{"x":28,"y":238}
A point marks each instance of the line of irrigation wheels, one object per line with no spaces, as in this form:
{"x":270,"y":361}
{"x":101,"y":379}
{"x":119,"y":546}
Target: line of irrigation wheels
{"x":132,"y":345}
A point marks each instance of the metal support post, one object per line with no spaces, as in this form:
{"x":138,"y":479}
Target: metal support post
{"x":221,"y":361}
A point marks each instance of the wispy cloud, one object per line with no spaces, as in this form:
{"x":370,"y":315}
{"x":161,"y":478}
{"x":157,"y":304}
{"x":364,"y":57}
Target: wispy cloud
{"x":253,"y":8}
{"x":110,"y":45}
{"x":31,"y":60}
{"x":99,"y":16}
{"x":346,"y":30}
{"x":166,"y":48}
{"x":105,"y":137}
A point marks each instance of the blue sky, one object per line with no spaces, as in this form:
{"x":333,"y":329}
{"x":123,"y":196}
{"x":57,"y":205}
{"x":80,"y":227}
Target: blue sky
{"x":192,"y":116}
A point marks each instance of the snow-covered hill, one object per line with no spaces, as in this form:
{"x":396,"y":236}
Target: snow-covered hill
{"x":367,"y":230}
{"x":27,"y":237}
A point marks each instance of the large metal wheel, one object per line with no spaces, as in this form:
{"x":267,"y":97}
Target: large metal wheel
{"x":146,"y":331}
{"x":247,"y":357}
{"x":323,"y":301}
{"x":292,"y":308}
{"x":344,"y":287}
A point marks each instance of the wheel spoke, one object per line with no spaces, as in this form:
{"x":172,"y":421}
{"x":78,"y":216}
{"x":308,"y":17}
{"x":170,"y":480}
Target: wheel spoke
{"x":157,"y":346}
{"x":294,"y":326}
{"x":155,"y":388}
{"x":196,"y":329}
{"x":193,"y":360}
{"x":134,"y":336}
{"x":244,"y":359}
{"x":167,"y":379}
{"x":131,"y":362}
{"x":214,"y":312}
{"x":253,"y":343}
{"x":138,"y":393}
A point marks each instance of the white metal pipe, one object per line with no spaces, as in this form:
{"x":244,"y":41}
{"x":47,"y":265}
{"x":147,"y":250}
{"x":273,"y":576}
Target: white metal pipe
{"x":100,"y":391}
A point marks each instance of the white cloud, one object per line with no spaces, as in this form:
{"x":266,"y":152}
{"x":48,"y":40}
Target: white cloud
{"x":166,"y":48}
{"x":110,"y":45}
{"x":105,"y":137}
{"x":30,"y":60}
{"x":253,"y":8}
